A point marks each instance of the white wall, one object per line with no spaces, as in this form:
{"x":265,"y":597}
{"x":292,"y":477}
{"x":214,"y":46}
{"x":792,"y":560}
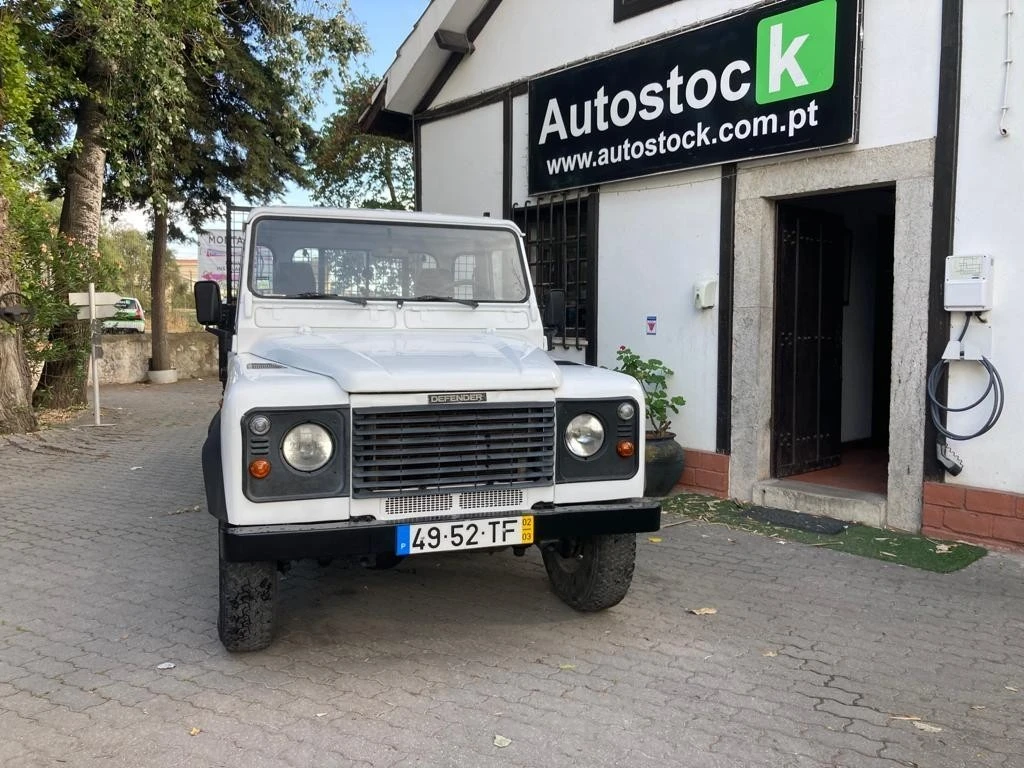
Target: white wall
{"x":900,"y":69}
{"x":520,"y":148}
{"x":462,"y":163}
{"x":989,"y":220}
{"x":658,"y":236}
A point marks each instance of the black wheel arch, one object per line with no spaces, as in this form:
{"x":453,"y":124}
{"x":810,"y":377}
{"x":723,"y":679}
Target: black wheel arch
{"x":213,"y":471}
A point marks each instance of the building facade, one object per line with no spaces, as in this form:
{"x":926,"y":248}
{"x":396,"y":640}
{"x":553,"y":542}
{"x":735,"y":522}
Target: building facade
{"x":768,"y":196}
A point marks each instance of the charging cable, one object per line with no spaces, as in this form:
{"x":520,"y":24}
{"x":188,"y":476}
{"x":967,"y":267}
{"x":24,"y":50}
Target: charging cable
{"x":939,"y":409}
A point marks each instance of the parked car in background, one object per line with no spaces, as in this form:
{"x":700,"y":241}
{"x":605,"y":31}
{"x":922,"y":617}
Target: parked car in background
{"x":129,"y":318}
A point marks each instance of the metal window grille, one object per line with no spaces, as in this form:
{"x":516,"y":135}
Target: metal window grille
{"x":559,"y":253}
{"x":237,"y":219}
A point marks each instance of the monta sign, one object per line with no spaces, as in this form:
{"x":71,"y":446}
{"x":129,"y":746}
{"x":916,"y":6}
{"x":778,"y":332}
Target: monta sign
{"x":774,"y":79}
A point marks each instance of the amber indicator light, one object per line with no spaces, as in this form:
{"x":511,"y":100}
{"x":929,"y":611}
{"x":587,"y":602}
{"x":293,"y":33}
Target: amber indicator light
{"x":259,"y":468}
{"x":626,"y":448}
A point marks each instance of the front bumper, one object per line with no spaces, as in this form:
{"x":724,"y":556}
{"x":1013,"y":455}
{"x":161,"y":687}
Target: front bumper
{"x":296,"y":542}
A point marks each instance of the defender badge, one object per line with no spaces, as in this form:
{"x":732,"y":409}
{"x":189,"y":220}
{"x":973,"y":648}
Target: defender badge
{"x":457,"y":398}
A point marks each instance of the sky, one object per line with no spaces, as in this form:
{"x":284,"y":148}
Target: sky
{"x":387,"y":24}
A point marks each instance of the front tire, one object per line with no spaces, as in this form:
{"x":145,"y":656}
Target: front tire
{"x":591,"y":573}
{"x":248,"y":598}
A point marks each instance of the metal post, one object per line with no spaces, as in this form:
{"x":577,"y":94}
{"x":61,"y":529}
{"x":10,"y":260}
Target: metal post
{"x":93,"y":364}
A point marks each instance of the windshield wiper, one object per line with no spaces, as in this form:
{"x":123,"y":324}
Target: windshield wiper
{"x":314,"y":295}
{"x":452,"y":299}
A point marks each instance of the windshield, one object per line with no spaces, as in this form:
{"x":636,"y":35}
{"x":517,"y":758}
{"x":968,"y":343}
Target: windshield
{"x":360,"y":260}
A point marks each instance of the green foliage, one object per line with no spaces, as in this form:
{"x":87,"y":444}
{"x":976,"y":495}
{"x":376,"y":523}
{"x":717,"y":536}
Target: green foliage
{"x":15,"y":92}
{"x":131,"y":250}
{"x":48,"y":266}
{"x":26,"y":89}
{"x":247,"y":130}
{"x":356,"y":169}
{"x":653,"y":376}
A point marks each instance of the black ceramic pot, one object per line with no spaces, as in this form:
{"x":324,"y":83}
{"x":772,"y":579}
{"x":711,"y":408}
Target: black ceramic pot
{"x":663,"y":460}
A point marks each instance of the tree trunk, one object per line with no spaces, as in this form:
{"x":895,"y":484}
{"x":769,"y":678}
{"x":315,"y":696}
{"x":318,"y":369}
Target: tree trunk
{"x":15,"y":407}
{"x":62,"y":383}
{"x":388,"y":174}
{"x":158,"y":298}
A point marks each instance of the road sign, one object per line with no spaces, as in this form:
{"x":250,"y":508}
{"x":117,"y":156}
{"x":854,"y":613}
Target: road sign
{"x":93,"y":306}
{"x":102,"y":310}
{"x":81,"y":299}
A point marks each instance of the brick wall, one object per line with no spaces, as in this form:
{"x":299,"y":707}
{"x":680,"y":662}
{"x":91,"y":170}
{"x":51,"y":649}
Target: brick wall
{"x":973,"y":514}
{"x":705,"y":472}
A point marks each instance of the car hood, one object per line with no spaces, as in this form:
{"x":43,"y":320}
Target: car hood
{"x":415,"y":362}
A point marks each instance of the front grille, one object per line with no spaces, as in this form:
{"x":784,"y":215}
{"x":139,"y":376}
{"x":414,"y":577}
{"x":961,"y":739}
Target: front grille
{"x":411,"y":450}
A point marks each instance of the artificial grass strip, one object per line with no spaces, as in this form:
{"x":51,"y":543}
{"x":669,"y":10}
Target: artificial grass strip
{"x":888,"y":546}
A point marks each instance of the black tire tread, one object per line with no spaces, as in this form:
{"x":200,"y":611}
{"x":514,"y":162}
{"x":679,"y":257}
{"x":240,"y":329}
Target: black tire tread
{"x":604,"y":577}
{"x":248,"y":597}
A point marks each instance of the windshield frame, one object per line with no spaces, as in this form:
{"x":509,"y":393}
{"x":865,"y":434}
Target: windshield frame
{"x":510,"y":230}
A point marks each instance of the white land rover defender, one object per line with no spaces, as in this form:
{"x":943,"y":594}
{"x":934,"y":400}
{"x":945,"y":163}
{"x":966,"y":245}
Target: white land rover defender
{"x":387,"y":393}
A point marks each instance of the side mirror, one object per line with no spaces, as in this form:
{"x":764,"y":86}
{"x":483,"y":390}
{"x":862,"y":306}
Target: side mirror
{"x":553,"y":313}
{"x":207,"y":294}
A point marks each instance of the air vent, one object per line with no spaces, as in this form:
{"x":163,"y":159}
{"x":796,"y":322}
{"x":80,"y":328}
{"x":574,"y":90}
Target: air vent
{"x":259,"y":446}
{"x":488,"y":499}
{"x":414,"y":505}
{"x":262,"y":366}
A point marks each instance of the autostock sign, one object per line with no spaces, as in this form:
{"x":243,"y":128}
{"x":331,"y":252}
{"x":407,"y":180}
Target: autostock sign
{"x":777,"y":78}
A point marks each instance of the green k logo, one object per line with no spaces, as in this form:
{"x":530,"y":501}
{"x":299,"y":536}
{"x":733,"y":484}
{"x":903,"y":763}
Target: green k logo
{"x":796,"y":52}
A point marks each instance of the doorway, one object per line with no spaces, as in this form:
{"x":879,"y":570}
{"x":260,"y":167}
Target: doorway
{"x":833,"y":339}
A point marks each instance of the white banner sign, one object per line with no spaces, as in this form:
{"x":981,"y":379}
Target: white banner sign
{"x":213,"y":256}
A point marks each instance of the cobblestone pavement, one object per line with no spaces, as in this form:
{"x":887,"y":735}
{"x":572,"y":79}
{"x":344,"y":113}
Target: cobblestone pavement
{"x":815,"y":658}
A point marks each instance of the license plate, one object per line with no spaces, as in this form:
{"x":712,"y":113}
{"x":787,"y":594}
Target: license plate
{"x":464,"y":534}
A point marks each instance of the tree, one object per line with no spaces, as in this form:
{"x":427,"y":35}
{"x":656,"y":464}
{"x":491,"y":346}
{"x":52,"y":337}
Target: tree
{"x":246,"y":130}
{"x":125,"y":66}
{"x":15,"y":406}
{"x":356,"y":169}
{"x":131,"y":250}
{"x":168,"y":103}
{"x":16,"y":105}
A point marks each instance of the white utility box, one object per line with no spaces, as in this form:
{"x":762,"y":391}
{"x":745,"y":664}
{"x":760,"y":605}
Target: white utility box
{"x":705,"y":293}
{"x":968,"y":283}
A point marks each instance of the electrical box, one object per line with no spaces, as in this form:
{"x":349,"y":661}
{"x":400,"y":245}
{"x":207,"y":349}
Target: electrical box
{"x":705,"y":293}
{"x":968,"y":283}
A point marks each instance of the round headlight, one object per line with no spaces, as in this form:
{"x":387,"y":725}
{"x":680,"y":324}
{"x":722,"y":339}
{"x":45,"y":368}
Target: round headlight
{"x":259,"y":425}
{"x":307,"y":447}
{"x":626,"y":411}
{"x":585,"y":435}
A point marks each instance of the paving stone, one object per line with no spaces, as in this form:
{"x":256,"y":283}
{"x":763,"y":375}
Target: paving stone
{"x":424,"y":665}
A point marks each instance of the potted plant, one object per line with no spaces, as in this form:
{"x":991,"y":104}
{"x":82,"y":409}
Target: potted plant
{"x":663,"y":457}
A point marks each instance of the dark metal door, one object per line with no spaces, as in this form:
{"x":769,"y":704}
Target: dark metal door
{"x":812,"y":253}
